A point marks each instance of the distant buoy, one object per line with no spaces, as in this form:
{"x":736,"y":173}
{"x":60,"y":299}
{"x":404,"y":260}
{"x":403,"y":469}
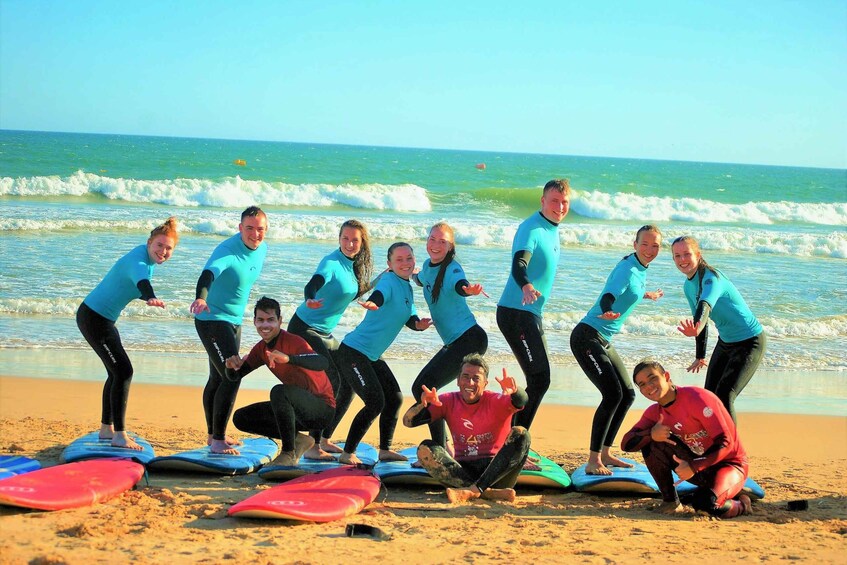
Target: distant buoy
{"x":240,"y":162}
{"x":480,"y":166}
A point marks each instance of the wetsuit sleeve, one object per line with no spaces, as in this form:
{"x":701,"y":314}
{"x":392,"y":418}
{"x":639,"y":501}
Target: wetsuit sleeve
{"x":411,"y":323}
{"x":313,"y":286}
{"x":205,"y":281}
{"x":421,"y":418}
{"x":702,"y":340}
{"x":416,"y":279}
{"x":520,"y":262}
{"x":312,"y":361}
{"x":638,"y":437}
{"x":146,"y":290}
{"x":606,"y":302}
{"x":459,"y":288}
{"x":377,"y":298}
{"x":519,"y":398}
{"x":251,"y":362}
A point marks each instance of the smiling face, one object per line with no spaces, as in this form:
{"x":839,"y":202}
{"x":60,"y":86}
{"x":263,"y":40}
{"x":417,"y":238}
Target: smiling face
{"x":160,"y":248}
{"x":472,"y":382}
{"x":267,"y":324}
{"x":253,"y":229}
{"x":350,"y":242}
{"x":402,"y":261}
{"x":686,"y":256}
{"x":439,"y":243}
{"x":654,"y":384}
{"x":647,"y":246}
{"x":555,"y":205}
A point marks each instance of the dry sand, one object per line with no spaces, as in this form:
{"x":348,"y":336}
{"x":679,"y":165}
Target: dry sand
{"x":182,"y":518}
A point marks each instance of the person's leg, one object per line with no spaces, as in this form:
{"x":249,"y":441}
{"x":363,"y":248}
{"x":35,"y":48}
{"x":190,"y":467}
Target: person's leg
{"x":294,"y":409}
{"x":221,"y":340}
{"x":498,"y":480}
{"x":739,"y":363}
{"x":356,"y":369}
{"x":525,"y":336}
{"x":441,"y":466}
{"x":603,"y":367}
{"x":723,"y":484}
{"x":659,"y":459}
{"x":390,"y":414}
{"x":445,"y":367}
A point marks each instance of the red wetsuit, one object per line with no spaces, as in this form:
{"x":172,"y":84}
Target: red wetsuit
{"x":479,"y":429}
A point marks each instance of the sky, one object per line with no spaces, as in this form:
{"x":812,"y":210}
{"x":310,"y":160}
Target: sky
{"x":760,"y":82}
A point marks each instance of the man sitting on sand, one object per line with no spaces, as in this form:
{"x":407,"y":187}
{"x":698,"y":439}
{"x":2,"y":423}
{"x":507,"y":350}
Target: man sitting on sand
{"x":689,"y":431}
{"x":490,"y":453}
{"x":304,"y":400}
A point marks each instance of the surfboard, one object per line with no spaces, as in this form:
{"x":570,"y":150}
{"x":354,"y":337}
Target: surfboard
{"x":253,"y":454}
{"x":751,"y":488}
{"x":11,"y":465}
{"x":402,"y":472}
{"x":636,"y":479}
{"x":71,"y":485}
{"x":367,"y":453}
{"x":90,"y":446}
{"x":550,"y":475}
{"x":317,"y":497}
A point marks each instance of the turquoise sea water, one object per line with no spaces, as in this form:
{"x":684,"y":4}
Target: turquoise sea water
{"x":73,"y":203}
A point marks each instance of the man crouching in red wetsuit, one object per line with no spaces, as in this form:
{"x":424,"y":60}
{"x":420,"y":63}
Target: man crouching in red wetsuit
{"x":689,"y":431}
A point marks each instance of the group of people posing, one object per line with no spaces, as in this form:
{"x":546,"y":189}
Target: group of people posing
{"x":690,"y":430}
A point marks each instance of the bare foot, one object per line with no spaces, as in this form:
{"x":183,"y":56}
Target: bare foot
{"x":285,"y":459}
{"x":593,"y":468}
{"x":330,"y":447}
{"x":229,"y":441}
{"x":462,"y":494}
{"x":107,"y":431}
{"x":315,"y":453}
{"x":349,"y":459}
{"x":388,"y":455}
{"x":302,"y":444}
{"x":747,"y":503}
{"x":504,"y":494}
{"x":612,"y":461}
{"x":222,"y":446}
{"x":673,"y":507}
{"x":121,"y":439}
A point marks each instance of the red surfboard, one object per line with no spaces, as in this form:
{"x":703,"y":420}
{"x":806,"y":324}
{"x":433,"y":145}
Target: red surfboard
{"x":71,"y":485}
{"x":319,"y":497}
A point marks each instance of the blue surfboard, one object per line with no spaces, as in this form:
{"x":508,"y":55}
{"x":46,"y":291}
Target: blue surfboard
{"x":751,"y":488}
{"x":548,"y":474}
{"x":11,"y":465}
{"x":90,"y":446}
{"x":636,"y":479}
{"x":253,"y":454}
{"x":402,"y":472}
{"x":367,"y":453}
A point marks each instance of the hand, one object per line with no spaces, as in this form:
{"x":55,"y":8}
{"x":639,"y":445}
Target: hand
{"x":198,"y":306}
{"x":530,"y":295}
{"x":275,"y":357}
{"x":314,"y":303}
{"x":660,"y":432}
{"x":507,"y":383}
{"x":159,"y":303}
{"x":683,"y":470}
{"x":654,"y":295}
{"x":367,"y":305}
{"x":696,"y":366}
{"x":235,"y":362}
{"x":423,"y":323}
{"x":429,"y":396}
{"x":688,"y":328}
{"x":609,"y":315}
{"x":474,"y":290}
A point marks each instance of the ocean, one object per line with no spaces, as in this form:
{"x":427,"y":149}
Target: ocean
{"x":72,"y":204}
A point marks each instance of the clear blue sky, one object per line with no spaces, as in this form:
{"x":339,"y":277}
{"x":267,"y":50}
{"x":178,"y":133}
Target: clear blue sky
{"x":732,"y":81}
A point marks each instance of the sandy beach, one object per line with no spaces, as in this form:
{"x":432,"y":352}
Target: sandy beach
{"x":181,"y":518}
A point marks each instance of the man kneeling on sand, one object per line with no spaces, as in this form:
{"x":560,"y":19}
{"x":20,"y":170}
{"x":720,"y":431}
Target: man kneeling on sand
{"x":490,"y":452}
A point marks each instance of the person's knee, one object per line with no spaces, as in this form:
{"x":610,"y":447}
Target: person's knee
{"x":278,"y":394}
{"x":240,"y":420}
{"x":393,"y":401}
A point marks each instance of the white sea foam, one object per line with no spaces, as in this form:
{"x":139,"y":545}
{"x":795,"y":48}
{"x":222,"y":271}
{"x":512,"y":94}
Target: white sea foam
{"x":232,"y":192}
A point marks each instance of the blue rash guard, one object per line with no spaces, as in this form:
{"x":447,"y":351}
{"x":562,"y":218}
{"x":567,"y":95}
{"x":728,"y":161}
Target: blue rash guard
{"x":539,"y":236}
{"x":339,"y":289}
{"x":119,"y":287}
{"x":627,"y":283}
{"x":380,"y":327}
{"x":235,"y":267}
{"x":450,"y":314}
{"x":733,"y":318}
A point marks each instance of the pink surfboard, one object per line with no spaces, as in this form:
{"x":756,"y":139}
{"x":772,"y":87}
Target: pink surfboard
{"x":71,"y":485}
{"x":319,"y":497}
